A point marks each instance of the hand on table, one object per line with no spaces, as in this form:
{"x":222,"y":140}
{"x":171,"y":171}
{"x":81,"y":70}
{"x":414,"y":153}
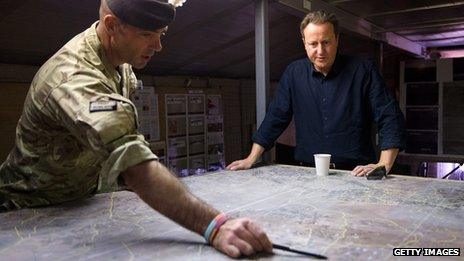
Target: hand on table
{"x":360,"y":171}
{"x":240,"y":164}
{"x":241,"y":237}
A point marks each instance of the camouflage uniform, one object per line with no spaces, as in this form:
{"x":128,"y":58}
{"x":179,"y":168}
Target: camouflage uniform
{"x":78,"y":129}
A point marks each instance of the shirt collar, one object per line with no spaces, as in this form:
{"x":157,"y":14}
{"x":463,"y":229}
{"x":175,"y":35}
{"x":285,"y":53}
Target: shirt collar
{"x":336,"y":68}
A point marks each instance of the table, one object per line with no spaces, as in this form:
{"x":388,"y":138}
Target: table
{"x":340,"y":216}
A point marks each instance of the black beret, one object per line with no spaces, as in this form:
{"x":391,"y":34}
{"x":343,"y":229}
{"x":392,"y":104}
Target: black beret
{"x":145,"y":14}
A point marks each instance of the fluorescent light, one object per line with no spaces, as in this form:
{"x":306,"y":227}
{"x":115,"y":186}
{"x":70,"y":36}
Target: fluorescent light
{"x":452,"y":53}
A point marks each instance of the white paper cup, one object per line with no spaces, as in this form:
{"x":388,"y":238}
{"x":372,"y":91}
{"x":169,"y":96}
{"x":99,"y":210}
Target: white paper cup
{"x":322,"y":164}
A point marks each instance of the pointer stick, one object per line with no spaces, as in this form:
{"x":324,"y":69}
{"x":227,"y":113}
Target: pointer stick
{"x":285,"y":248}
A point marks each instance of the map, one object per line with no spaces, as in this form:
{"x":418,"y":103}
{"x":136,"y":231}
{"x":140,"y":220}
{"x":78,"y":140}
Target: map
{"x":339,"y":216}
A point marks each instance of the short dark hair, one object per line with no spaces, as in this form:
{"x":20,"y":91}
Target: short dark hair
{"x":319,"y":17}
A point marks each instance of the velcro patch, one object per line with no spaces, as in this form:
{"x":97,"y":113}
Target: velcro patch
{"x":103,"y":106}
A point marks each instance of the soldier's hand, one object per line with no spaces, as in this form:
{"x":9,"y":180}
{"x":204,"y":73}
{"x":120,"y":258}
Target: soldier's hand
{"x":240,"y":164}
{"x":241,"y":237}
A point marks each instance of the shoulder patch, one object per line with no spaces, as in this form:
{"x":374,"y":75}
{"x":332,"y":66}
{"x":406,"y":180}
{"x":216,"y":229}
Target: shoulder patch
{"x":97,"y":106}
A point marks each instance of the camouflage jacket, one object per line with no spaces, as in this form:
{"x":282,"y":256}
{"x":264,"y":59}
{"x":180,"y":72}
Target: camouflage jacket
{"x":78,"y":129}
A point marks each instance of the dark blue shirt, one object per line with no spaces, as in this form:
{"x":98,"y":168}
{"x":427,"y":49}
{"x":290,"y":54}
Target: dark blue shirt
{"x":334,"y":113}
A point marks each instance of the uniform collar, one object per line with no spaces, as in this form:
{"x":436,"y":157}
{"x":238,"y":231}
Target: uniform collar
{"x":97,"y":56}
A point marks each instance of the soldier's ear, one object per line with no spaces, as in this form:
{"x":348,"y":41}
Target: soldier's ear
{"x":111,"y":24}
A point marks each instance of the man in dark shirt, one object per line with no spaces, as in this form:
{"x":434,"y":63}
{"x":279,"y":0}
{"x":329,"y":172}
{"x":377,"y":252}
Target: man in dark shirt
{"x":334,"y":100}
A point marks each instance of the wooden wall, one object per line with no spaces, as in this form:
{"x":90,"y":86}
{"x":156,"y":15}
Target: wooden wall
{"x":12,"y":97}
{"x":238,"y":104}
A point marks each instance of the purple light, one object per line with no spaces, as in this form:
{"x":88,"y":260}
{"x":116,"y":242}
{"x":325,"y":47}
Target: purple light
{"x":444,"y":168}
{"x":452,"y":53}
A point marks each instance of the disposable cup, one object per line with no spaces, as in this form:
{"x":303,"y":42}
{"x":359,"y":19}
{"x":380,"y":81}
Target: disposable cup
{"x":322,"y":164}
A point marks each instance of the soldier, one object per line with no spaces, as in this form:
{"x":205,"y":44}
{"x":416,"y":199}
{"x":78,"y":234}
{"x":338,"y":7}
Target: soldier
{"x":78,"y":131}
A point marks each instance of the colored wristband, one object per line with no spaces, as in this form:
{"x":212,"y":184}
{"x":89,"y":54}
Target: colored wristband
{"x":213,"y":227}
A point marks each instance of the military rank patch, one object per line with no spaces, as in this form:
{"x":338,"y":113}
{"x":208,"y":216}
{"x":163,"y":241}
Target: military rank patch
{"x":103,"y":106}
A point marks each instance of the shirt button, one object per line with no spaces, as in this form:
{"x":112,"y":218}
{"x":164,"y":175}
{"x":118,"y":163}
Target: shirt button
{"x":324,"y":99}
{"x":326,"y":136}
{"x":325,"y":118}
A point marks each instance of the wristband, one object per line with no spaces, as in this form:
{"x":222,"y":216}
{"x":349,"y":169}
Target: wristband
{"x":213,"y":227}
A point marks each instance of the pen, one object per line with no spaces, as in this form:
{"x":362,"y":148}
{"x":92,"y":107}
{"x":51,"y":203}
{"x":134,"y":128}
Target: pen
{"x":285,"y":248}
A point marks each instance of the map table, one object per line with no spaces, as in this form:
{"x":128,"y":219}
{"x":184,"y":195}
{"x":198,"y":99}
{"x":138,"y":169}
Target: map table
{"x":340,"y":216}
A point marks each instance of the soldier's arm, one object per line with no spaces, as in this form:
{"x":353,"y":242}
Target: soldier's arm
{"x":165,"y":193}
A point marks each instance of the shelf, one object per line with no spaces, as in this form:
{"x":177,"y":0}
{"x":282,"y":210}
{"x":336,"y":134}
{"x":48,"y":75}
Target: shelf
{"x":436,"y":156}
{"x":422,"y":130}
{"x":421,"y":82}
{"x":421,"y":106}
{"x":433,"y":107}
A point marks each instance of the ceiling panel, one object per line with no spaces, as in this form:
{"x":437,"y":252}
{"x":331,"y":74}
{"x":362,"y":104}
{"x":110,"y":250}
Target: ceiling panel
{"x":216,"y":38}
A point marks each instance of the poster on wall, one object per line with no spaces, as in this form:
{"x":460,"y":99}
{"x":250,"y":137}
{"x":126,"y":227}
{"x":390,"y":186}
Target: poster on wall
{"x":196,"y":124}
{"x":197,"y":165}
{"x":214,"y":123}
{"x":177,"y":147}
{"x":154,"y":105}
{"x":215,"y":134}
{"x":175,"y":104}
{"x":213,"y":105}
{"x":176,"y":126}
{"x":176,"y":131}
{"x":146,"y":103}
{"x":196,"y":144}
{"x":196,"y":104}
{"x":149,"y":128}
{"x":194,"y":133}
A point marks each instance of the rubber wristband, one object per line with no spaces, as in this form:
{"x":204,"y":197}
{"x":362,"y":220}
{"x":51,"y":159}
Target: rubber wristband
{"x":209,"y":230}
{"x":219,"y":223}
{"x":213,"y":226}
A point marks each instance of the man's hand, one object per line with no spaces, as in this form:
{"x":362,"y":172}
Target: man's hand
{"x":387,"y":158}
{"x":256,"y":152}
{"x":240,"y":164}
{"x":360,"y":171}
{"x":241,"y":237}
